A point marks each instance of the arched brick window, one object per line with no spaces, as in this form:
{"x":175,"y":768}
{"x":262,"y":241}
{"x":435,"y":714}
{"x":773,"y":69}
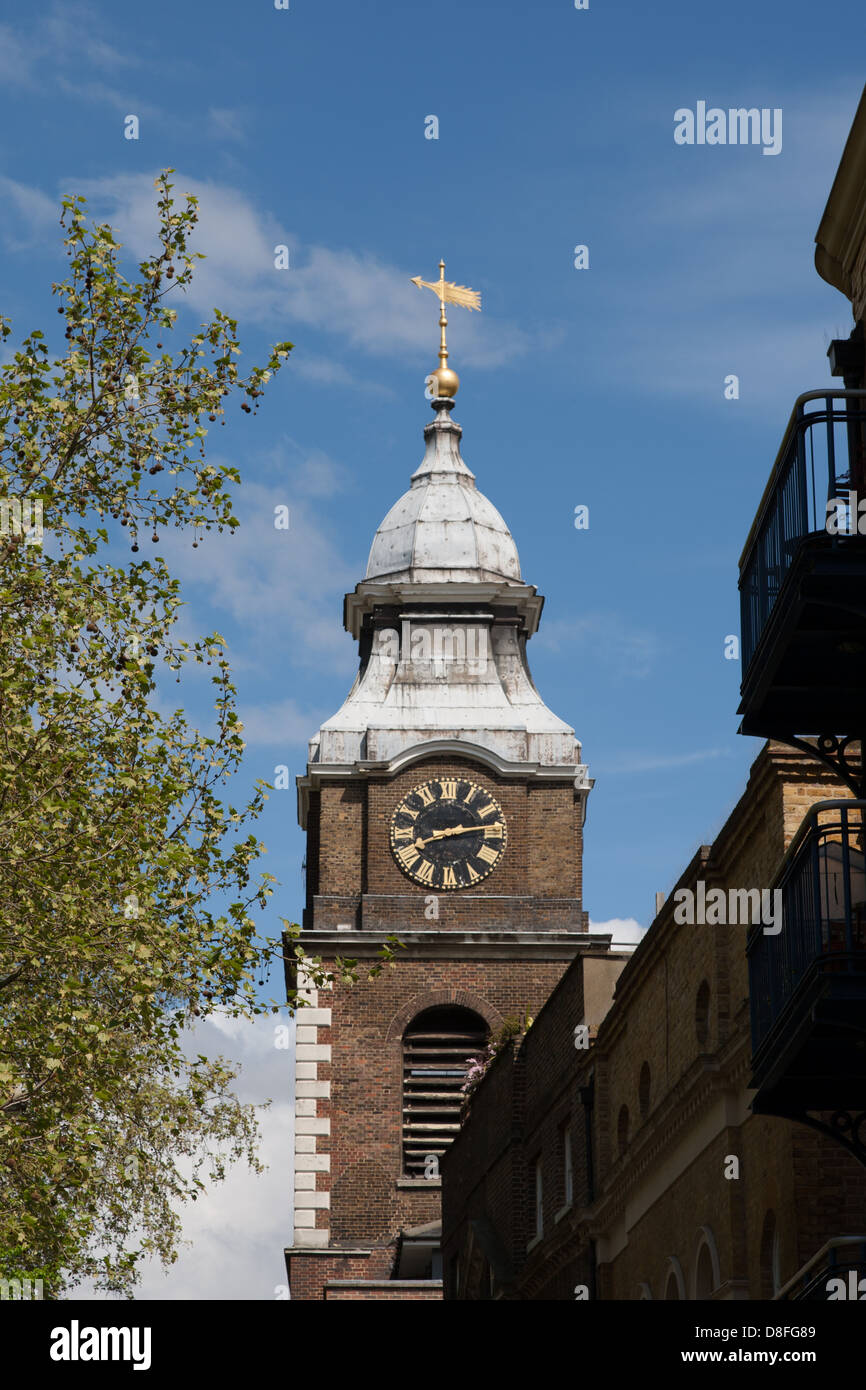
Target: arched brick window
{"x":704,"y":1274}
{"x":675,"y":1284}
{"x":771,"y":1264}
{"x":437,"y":1047}
{"x":707,"y":1276}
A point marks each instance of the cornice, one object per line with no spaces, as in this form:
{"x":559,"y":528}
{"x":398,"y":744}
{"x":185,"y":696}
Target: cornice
{"x":842,"y":230}
{"x":371,"y":594}
{"x":577,"y":773}
{"x":454,"y":945}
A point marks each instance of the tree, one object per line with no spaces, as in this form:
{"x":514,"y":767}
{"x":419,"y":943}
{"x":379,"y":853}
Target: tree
{"x":114,"y":842}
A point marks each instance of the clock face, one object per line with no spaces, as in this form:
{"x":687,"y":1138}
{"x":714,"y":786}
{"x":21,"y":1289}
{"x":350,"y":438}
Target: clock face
{"x":448,"y":833}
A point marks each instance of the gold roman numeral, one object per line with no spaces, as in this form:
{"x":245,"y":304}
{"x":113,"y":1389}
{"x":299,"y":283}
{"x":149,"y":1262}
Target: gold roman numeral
{"x":405,"y":832}
{"x":449,"y":878}
{"x":426,"y":795}
{"x":493,"y":832}
{"x":473,"y":876}
{"x":489,"y":855}
{"x":424,"y":875}
{"x":449,"y":791}
{"x":488,"y":810}
{"x":408,"y":856}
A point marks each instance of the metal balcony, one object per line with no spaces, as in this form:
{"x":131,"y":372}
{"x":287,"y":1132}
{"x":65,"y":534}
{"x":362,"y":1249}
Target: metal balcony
{"x":803,"y":577}
{"x":841,"y":1258}
{"x":807,"y":983}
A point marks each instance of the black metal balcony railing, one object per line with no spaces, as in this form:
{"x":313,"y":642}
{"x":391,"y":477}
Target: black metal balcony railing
{"x":838,"y":1259}
{"x":823,"y":931}
{"x":822,"y":457}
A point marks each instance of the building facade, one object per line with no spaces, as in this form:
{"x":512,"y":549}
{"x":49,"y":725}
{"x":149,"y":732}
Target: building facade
{"x":625,"y":1162}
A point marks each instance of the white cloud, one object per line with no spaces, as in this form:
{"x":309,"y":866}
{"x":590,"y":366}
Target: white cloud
{"x":58,"y":48}
{"x":122,"y":102}
{"x":284,"y":587}
{"x":353,"y":295}
{"x":624,"y":931}
{"x":72,"y":31}
{"x":236,"y":1231}
{"x":16,"y":58}
{"x":31,"y":211}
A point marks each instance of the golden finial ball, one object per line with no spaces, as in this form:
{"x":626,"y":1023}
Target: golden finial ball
{"x":445,"y":382}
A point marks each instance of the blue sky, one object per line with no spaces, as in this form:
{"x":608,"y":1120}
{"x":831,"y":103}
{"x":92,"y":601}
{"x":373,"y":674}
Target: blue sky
{"x":602,"y":386}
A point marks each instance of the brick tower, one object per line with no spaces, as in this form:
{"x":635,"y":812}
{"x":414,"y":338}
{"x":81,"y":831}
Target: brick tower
{"x":444,"y":804}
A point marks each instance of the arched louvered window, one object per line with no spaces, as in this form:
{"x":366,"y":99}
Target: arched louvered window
{"x":437,"y":1047}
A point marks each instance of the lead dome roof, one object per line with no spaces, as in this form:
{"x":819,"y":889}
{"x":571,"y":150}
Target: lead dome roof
{"x":443,"y":528}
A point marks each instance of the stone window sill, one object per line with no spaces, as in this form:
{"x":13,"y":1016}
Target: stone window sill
{"x":419,"y":1182}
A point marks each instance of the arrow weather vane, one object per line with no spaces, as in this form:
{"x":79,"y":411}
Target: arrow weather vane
{"x":448,"y":293}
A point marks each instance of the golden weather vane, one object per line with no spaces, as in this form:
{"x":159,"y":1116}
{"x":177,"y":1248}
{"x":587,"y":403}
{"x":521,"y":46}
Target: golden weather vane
{"x":448,"y":293}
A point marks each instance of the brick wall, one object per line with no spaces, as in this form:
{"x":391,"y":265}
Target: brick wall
{"x":365,"y":1108}
{"x":352,"y":877}
{"x":350,"y":1187}
{"x":310,"y":1271}
{"x":529,"y":1100}
{"x":351,"y":1136}
{"x":484,"y":1172}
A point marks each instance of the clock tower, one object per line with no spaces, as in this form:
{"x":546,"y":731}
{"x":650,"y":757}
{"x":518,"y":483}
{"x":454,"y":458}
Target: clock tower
{"x":444,"y":805}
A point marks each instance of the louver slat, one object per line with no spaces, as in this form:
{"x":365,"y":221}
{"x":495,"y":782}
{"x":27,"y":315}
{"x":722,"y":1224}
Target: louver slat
{"x":434,"y":1069}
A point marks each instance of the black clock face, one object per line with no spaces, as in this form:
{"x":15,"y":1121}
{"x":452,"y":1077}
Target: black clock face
{"x":448,"y":833}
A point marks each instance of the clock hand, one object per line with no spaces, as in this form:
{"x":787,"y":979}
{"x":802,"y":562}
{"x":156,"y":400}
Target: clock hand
{"x":455,"y":830}
{"x":441,"y":834}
